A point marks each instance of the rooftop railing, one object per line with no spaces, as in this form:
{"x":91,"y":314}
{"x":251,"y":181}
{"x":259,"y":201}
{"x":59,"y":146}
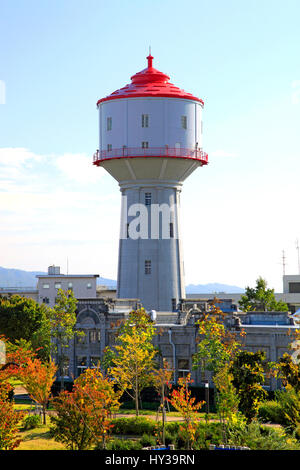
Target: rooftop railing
{"x":133,"y":152}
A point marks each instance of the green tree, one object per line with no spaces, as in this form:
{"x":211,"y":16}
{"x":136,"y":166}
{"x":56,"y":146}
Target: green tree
{"x":131,"y":361}
{"x":63,"y":321}
{"x":248,"y":377}
{"x":227,"y":400}
{"x":216,"y":346}
{"x":260,"y":298}
{"x":216,"y":350}
{"x":288,"y":371}
{"x":24,"y":319}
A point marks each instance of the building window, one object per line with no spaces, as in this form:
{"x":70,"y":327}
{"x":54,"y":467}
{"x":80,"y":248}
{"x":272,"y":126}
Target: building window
{"x":95,"y":336}
{"x":94,"y":361}
{"x":57,"y":285}
{"x":147,"y":266}
{"x":70,"y":285}
{"x":111,"y":338}
{"x":127,"y":230}
{"x":145,"y":145}
{"x":184,"y":122}
{"x":45,"y":300}
{"x":46,"y":286}
{"x":81,"y":364}
{"x":147,"y":199}
{"x":171,"y":230}
{"x":109,"y":147}
{"x":183,"y":367}
{"x":89,"y":285}
{"x":174,"y":305}
{"x":109,"y":123}
{"x":145,"y":120}
{"x":294,"y":287}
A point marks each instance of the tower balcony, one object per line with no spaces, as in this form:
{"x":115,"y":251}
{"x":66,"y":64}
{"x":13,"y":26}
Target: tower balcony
{"x":158,"y":152}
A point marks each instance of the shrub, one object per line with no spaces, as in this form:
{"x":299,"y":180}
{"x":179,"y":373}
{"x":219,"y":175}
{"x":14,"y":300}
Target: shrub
{"x":289,"y":401}
{"x":123,"y":444}
{"x":172,"y":427}
{"x":31,"y":422}
{"x":147,"y":440}
{"x":271,"y":411}
{"x":259,"y":437}
{"x":170,"y":438}
{"x":210,"y":433}
{"x":133,"y":426}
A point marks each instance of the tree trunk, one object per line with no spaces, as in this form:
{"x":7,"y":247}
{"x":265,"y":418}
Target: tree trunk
{"x":44,"y":414}
{"x":163,"y":416}
{"x":136,"y":393}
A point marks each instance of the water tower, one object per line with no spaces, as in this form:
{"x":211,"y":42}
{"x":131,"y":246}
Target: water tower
{"x":150,"y":141}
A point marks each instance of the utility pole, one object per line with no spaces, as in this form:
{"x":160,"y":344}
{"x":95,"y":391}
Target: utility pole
{"x":297,"y":248}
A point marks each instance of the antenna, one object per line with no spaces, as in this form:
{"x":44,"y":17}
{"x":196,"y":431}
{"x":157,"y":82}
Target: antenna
{"x":297,"y":248}
{"x":283,"y":262}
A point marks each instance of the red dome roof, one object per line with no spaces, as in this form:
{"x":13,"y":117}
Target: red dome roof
{"x":150,"y":83}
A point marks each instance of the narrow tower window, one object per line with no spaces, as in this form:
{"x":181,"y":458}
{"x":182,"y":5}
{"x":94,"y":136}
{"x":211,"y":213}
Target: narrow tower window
{"x":109,"y":147}
{"x":145,"y":120}
{"x":171,"y":230}
{"x":147,"y":199}
{"x":145,"y":145}
{"x":109,"y":123}
{"x":184,"y":122}
{"x":147,"y":266}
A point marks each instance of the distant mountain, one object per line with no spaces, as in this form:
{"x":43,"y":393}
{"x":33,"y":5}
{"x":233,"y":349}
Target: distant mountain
{"x":19,"y":278}
{"x":213,"y":288}
{"x":103,"y":281}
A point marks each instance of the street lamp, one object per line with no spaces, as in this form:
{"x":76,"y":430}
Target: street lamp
{"x":206,"y":385}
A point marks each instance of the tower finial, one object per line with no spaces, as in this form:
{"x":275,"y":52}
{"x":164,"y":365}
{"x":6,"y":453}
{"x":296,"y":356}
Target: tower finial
{"x":149,"y":58}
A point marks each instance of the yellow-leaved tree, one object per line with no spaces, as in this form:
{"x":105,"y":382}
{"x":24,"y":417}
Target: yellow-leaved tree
{"x":132,"y":359}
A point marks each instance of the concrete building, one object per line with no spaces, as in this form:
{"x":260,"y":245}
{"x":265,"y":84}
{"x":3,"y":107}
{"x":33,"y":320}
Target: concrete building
{"x":82,"y":285}
{"x":178,"y":333}
{"x":150,"y":141}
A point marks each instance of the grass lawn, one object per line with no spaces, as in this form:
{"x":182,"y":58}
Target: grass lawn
{"x":38,"y":439}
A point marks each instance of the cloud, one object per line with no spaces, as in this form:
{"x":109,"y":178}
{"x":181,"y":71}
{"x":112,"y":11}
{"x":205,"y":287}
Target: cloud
{"x":78,"y":168}
{"x":23,"y":170}
{"x":15,"y":167}
{"x":34,"y":196}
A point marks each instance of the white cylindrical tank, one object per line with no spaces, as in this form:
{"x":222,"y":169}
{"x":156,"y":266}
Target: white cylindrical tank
{"x":158,"y":121}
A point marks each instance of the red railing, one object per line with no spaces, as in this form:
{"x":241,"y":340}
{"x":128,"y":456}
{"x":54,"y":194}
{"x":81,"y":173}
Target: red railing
{"x":132,"y":152}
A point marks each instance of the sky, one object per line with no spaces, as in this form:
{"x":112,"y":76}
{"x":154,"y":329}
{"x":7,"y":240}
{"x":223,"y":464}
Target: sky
{"x":58,"y":57}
